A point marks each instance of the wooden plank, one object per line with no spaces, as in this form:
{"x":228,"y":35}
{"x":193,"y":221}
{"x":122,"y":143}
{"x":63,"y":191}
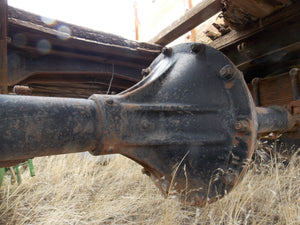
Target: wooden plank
{"x":259,"y":9}
{"x":36,"y":32}
{"x":235,"y":36}
{"x":81,"y":40}
{"x":188,"y":21}
{"x":79,"y":31}
{"x":241,"y":14}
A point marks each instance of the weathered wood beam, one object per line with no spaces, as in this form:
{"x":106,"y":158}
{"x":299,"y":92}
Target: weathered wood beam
{"x":259,"y":9}
{"x":81,"y":40}
{"x":34,"y":32}
{"x":235,"y":36}
{"x":188,"y":21}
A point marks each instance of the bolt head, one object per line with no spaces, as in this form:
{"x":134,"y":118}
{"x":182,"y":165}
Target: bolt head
{"x":166,"y":51}
{"x":227,"y":72}
{"x":196,"y":48}
{"x":238,"y":125}
{"x":241,"y":125}
{"x":110,"y":101}
{"x":146,"y":71}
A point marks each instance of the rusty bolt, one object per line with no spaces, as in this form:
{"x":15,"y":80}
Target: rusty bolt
{"x":227,"y":72}
{"x":241,"y":125}
{"x":110,"y":101}
{"x":146,"y":71}
{"x":197,"y":47}
{"x":238,"y":125}
{"x":166,"y":51}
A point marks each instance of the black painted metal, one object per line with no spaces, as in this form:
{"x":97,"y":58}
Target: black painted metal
{"x":40,"y":126}
{"x":183,"y":115}
{"x":191,"y":123}
{"x":274,"y":118}
{"x":21,"y":66}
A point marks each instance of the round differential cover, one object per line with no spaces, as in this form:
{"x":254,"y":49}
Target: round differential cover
{"x":190,"y":123}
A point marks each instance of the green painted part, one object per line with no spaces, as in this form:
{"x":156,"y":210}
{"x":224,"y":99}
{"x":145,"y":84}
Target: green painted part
{"x":18,"y":174}
{"x":2,"y":173}
{"x":17,"y":171}
{"x":31,"y":169}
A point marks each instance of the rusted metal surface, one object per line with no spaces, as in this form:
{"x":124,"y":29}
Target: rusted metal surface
{"x":40,"y":126}
{"x":274,"y":119}
{"x":191,"y":123}
{"x":3,"y":46}
{"x":170,"y":133}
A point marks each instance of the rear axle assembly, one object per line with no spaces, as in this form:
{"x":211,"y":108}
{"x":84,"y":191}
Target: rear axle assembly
{"x":191,"y":123}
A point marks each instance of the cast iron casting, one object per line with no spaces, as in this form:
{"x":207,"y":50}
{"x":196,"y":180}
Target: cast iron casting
{"x":191,"y":123}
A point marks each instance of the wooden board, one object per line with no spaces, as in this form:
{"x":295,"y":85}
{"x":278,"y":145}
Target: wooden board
{"x":190,"y":20}
{"x":81,"y":40}
{"x":236,"y":36}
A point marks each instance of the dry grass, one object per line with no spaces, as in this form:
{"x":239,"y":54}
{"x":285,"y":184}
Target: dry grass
{"x":70,"y":190}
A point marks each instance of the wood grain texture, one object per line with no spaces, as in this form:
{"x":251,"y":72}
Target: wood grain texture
{"x":195,"y":16}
